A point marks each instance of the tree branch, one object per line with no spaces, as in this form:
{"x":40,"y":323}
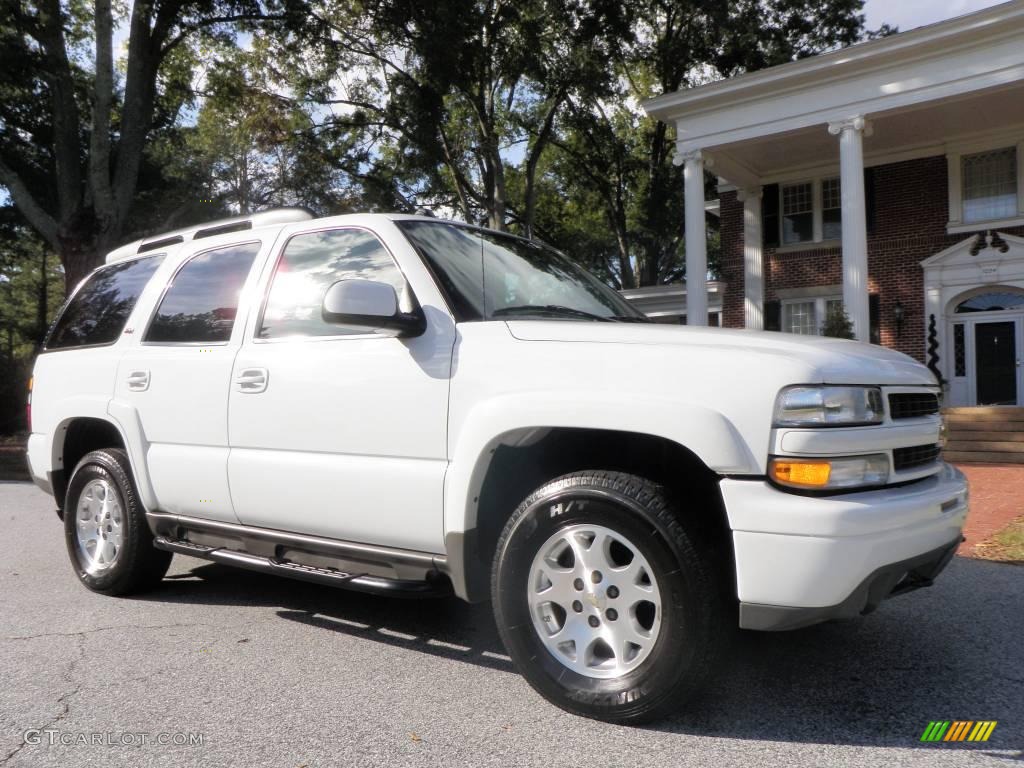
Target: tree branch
{"x":42,"y":221}
{"x":187,"y":29}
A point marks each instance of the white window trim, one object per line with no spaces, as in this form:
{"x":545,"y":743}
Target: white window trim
{"x":817,"y":211}
{"x":820,"y":309}
{"x":954,"y":157}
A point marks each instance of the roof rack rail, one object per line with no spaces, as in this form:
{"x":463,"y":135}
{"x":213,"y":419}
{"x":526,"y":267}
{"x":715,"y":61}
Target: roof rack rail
{"x":222,"y":229}
{"x":163,"y":243}
{"x":209,"y":229}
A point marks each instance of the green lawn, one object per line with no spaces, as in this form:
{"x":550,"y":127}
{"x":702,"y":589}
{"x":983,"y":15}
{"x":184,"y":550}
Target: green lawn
{"x":1007,"y":546}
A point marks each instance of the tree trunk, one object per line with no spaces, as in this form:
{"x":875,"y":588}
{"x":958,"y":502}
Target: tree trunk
{"x":78,"y":260}
{"x":626,"y":276}
{"x":498,"y":212}
{"x":531,"y":164}
{"x":42,"y":301}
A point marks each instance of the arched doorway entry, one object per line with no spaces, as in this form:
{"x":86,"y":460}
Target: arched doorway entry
{"x":986,"y":327}
{"x":974,"y":315}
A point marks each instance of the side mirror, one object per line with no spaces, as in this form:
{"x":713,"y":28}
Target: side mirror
{"x":371,"y":305}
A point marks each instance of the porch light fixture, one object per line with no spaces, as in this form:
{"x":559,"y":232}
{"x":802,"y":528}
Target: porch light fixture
{"x":898,"y":315}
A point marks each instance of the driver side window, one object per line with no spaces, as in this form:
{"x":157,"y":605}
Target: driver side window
{"x":309,"y":265}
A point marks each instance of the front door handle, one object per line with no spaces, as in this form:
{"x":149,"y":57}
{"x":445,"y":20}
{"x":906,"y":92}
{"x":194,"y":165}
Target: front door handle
{"x":252,"y":381}
{"x":138,"y":381}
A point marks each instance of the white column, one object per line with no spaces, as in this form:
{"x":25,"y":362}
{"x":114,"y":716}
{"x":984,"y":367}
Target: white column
{"x":855,"y":228}
{"x":696,"y":239}
{"x":753,"y":260}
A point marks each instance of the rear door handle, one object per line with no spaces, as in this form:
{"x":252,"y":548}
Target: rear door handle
{"x":138,"y":381}
{"x":252,"y":381}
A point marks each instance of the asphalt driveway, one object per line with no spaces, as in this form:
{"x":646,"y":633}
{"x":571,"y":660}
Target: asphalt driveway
{"x":273,"y":672}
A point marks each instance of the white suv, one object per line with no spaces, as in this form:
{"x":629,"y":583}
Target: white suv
{"x":410,"y":406}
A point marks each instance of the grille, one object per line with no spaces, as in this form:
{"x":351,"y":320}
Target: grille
{"x":913,"y":404}
{"x":914,"y":457}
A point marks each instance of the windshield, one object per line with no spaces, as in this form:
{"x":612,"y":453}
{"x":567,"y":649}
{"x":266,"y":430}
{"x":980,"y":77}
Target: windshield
{"x":488,"y":275}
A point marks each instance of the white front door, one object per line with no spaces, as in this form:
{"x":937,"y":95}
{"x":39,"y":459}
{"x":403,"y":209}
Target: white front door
{"x":334,"y":431}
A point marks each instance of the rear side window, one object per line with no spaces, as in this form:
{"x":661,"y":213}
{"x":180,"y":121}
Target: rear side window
{"x":312,"y":263}
{"x":201,"y":302}
{"x":98,"y":311}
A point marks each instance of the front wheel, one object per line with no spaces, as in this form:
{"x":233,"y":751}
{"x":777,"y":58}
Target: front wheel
{"x":605,"y":600}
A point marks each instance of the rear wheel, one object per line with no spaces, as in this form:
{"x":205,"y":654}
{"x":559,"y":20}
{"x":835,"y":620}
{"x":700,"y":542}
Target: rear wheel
{"x":605,"y":600}
{"x":108,"y":539}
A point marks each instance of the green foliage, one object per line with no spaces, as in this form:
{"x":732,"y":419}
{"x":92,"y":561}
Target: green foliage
{"x":626,"y":158}
{"x":257,"y":147}
{"x":837,"y":323}
{"x":31,"y":288}
{"x":521,"y":115}
{"x":31,"y":291}
{"x":77,"y":119}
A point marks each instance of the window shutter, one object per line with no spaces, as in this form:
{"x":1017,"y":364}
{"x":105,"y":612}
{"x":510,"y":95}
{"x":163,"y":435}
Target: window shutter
{"x":870,"y":209}
{"x":770,"y":215}
{"x":874,"y":319}
{"x":773,"y":315}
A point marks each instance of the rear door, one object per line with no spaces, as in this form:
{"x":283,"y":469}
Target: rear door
{"x":177,"y":378}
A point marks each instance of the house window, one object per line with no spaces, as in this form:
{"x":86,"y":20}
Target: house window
{"x":799,"y":317}
{"x":805,"y":212}
{"x":990,"y":185}
{"x":806,"y":316}
{"x":831,"y":210}
{"x":797,"y":213}
{"x":714,"y":319}
{"x":993,"y":301}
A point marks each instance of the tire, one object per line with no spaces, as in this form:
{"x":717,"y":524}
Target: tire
{"x":670,"y":628}
{"x":108,"y":538}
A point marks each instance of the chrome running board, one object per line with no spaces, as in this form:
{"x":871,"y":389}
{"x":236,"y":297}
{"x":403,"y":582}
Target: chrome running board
{"x":430,"y":587}
{"x":363,"y":567}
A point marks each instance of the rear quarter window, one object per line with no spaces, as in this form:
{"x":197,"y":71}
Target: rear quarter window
{"x":98,"y":311}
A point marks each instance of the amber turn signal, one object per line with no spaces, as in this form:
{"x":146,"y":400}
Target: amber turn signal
{"x":805,"y":474}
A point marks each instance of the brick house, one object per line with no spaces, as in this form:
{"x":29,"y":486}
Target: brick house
{"x":885,"y":178}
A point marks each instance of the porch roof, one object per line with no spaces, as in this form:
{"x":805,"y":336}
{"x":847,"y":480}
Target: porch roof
{"x":919,"y":89}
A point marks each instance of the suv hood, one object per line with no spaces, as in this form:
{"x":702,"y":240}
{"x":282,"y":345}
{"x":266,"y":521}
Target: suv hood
{"x":833,"y":361}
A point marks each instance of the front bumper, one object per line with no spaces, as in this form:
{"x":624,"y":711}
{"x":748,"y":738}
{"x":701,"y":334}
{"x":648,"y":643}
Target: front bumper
{"x":804,"y":559}
{"x":888,"y":581}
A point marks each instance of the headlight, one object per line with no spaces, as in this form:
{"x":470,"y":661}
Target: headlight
{"x":807,"y":406}
{"x":830,"y":474}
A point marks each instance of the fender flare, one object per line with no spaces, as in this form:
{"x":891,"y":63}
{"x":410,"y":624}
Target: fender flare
{"x":125,"y":418}
{"x":515,"y":419}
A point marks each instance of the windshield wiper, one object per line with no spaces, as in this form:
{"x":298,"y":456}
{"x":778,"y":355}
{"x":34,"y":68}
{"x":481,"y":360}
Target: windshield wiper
{"x":632,"y":319}
{"x":551,"y":309}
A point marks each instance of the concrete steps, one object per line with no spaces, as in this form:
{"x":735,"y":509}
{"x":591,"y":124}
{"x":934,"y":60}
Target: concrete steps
{"x":985,"y":435}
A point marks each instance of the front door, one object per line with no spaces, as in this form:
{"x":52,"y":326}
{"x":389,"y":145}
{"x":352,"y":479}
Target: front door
{"x":335,"y":431}
{"x":995,"y":346}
